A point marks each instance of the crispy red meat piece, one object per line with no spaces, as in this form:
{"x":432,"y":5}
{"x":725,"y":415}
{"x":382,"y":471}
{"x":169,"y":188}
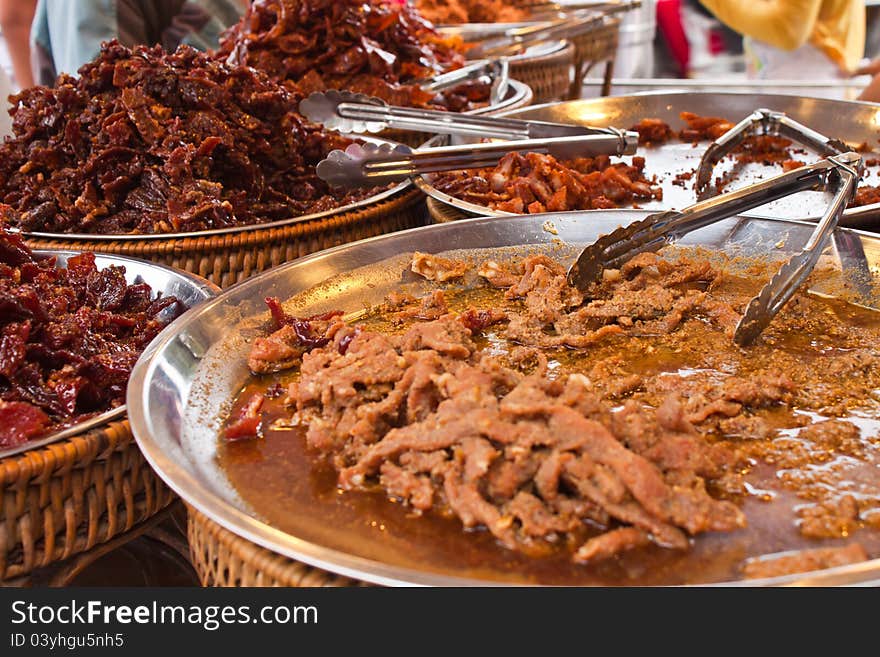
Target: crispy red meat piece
{"x":366,"y":46}
{"x":68,"y":338}
{"x":247,"y":423}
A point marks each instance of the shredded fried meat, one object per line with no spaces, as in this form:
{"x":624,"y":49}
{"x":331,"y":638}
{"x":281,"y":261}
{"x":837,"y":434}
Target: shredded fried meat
{"x":600,"y":461}
{"x":531,"y":183}
{"x":453,"y":12}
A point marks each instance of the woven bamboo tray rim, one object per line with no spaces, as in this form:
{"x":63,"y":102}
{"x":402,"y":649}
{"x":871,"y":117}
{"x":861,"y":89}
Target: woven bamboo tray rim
{"x":223,"y":559}
{"x":599,"y":44}
{"x":62,"y":499}
{"x":229,"y":258}
{"x":442,"y":213}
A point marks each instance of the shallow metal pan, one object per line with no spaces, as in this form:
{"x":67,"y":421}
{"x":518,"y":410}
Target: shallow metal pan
{"x":184,"y":382}
{"x":851,"y":121}
{"x":189,"y":288}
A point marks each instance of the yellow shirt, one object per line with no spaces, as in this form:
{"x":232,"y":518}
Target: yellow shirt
{"x":836,"y":27}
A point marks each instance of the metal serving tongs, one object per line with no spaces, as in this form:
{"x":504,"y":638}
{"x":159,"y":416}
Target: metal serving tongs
{"x":497,"y":70}
{"x":839,"y":173}
{"x":350,"y":112}
{"x":761,"y":122}
{"x":514,"y":39}
{"x":367,"y":165}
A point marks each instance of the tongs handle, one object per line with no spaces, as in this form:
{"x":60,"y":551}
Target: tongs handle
{"x":349,"y":112}
{"x":497,"y":70}
{"x":492,"y":68}
{"x":365,"y":165}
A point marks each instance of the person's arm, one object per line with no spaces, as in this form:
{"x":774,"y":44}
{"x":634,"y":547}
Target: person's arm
{"x":785,"y":24}
{"x":871,"y":93}
{"x":15,"y":22}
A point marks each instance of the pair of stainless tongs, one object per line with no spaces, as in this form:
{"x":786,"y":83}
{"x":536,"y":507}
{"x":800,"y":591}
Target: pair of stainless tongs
{"x":839,"y":173}
{"x":497,"y":71}
{"x":606,"y":7}
{"x":761,"y":122}
{"x":367,"y":165}
{"x":350,"y":112}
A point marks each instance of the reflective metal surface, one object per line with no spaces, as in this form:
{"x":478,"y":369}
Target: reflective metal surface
{"x":190,"y":289}
{"x":184,"y":382}
{"x":849,"y":121}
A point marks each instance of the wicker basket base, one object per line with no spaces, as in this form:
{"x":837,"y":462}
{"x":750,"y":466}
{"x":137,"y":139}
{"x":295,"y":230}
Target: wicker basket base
{"x":68,"y":497}
{"x":549,"y":76}
{"x":596,"y":47}
{"x":223,"y":559}
{"x":230,"y":258}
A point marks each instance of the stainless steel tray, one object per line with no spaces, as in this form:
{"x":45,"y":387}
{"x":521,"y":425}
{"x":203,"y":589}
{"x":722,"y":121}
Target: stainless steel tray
{"x":185,"y":381}
{"x":189,"y":288}
{"x":851,"y":121}
{"x":518,"y":95}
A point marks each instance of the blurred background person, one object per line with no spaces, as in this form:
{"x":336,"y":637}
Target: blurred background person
{"x":66,"y":33}
{"x":796,"y":39}
{"x":16,"y":17}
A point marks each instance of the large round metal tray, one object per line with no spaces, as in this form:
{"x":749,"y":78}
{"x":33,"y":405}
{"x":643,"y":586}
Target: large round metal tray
{"x":190,"y":289}
{"x":851,"y":121}
{"x":185,"y":381}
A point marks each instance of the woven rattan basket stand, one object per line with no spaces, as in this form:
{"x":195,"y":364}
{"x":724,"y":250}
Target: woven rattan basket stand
{"x":223,"y":559}
{"x":593,"y":48}
{"x":68,"y":497}
{"x":549,"y":76}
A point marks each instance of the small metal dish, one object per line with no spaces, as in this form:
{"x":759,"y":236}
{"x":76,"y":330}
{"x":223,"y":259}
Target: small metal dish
{"x":189,"y":288}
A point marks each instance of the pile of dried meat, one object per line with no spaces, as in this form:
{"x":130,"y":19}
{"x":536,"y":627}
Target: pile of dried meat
{"x":146,"y":141}
{"x":454,"y":12}
{"x":373,"y":47}
{"x":68,"y":338}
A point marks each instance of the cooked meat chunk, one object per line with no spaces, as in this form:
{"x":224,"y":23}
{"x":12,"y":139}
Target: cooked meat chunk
{"x":653,"y":132}
{"x":435,"y":268}
{"x":788,"y":563}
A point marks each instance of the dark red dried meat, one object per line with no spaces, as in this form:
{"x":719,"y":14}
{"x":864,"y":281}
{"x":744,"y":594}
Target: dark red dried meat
{"x":146,"y":141}
{"x":365,"y":46}
{"x":68,"y":338}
